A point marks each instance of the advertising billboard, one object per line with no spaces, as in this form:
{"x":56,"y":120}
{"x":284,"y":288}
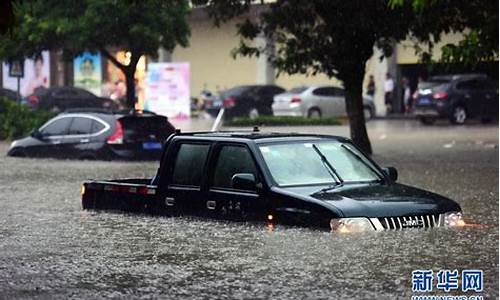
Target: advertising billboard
{"x":36,"y":74}
{"x":167,"y":89}
{"x":87,"y":72}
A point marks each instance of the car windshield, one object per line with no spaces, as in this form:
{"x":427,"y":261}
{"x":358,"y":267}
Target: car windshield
{"x":433,"y":85}
{"x":300,"y":164}
{"x":235,"y":91}
{"x":297,"y":90}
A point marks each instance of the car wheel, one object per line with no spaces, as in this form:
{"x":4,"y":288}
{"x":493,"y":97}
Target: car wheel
{"x":16,"y":152}
{"x":368,"y":113}
{"x":253,"y":113}
{"x":265,"y":111}
{"x":458,"y":115}
{"x":427,"y":120}
{"x":314,"y":113}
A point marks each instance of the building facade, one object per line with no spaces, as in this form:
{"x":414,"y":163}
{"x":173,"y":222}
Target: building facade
{"x":214,"y":68}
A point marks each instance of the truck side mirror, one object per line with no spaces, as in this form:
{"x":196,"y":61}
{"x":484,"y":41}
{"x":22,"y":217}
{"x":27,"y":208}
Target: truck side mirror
{"x":391,"y":172}
{"x":243,"y":181}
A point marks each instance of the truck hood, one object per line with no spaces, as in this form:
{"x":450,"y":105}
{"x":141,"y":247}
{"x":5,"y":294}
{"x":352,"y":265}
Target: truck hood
{"x":379,"y":200}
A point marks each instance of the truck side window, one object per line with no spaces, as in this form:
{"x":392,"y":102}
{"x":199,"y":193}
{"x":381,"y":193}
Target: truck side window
{"x":189,"y":163}
{"x":232,"y":160}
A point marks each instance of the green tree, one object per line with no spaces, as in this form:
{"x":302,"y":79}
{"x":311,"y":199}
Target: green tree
{"x":6,"y":15}
{"x":139,"y":27}
{"x":333,"y":37}
{"x":476,"y":19}
{"x":337,"y":37}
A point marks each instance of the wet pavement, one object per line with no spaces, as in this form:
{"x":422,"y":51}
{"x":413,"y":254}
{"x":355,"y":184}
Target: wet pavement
{"x":51,"y":249}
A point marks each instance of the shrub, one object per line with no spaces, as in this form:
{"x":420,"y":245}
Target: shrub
{"x":282,"y":121}
{"x":18,"y":120}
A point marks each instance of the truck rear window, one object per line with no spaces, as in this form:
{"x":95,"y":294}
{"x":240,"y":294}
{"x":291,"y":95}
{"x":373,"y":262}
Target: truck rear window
{"x":189,"y":164}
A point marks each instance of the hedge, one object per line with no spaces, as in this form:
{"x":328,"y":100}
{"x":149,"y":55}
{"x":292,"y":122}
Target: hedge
{"x":17,"y":120}
{"x":281,"y":121}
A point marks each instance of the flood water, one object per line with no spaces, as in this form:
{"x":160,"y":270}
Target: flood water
{"x":51,"y":249}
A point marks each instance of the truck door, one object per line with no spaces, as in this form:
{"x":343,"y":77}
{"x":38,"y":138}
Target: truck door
{"x":227,"y":200}
{"x":184,"y":194}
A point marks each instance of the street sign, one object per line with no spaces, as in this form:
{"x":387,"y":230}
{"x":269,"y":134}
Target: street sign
{"x":16,"y":68}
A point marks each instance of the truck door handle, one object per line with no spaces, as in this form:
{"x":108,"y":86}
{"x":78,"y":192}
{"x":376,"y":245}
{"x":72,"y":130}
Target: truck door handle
{"x":169,"y":201}
{"x":488,"y":96}
{"x":467,"y":96}
{"x":84,"y":140}
{"x":211,"y":204}
{"x":56,"y":142}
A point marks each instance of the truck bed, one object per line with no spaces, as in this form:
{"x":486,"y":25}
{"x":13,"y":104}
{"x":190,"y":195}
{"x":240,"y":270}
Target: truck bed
{"x":130,"y":195}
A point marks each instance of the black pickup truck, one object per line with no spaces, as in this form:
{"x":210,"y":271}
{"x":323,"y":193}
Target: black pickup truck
{"x":294,"y":179}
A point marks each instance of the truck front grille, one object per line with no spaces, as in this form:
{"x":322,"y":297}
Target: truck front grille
{"x":422,"y":221}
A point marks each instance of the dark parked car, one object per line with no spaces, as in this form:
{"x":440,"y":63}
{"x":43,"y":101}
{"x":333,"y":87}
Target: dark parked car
{"x":457,"y":98}
{"x":62,"y":98}
{"x":9,"y":94}
{"x":305,"y":180}
{"x":87,"y":135}
{"x":249,"y":100}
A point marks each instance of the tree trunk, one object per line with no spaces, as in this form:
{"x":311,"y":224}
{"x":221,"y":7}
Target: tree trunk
{"x":129,"y":72}
{"x":354,"y":105}
{"x":130,"y":82}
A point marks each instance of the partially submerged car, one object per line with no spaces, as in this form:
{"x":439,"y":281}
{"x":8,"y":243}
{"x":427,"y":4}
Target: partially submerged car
{"x":295,"y":179}
{"x":97,"y":135}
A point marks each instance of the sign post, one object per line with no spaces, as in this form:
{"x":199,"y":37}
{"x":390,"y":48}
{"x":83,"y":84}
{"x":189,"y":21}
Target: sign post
{"x":16,"y":69}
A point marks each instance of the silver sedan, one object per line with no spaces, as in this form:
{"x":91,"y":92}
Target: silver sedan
{"x":316,"y":102}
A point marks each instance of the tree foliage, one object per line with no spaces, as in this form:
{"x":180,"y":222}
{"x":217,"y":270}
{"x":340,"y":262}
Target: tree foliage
{"x":333,"y":37}
{"x":140,"y":27}
{"x":476,"y":19}
{"x":337,"y":37}
{"x":6,"y":15}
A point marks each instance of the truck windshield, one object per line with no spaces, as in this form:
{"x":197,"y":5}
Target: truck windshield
{"x":299,"y":163}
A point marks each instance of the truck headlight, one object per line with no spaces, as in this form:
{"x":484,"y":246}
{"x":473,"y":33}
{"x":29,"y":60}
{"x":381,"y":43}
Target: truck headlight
{"x":351,"y":225}
{"x":13,"y":144}
{"x":453,"y":219}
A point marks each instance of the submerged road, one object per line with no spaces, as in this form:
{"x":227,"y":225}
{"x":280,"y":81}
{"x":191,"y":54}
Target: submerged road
{"x":51,"y":249}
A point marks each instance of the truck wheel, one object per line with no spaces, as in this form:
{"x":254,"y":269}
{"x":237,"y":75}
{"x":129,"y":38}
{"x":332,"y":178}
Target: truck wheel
{"x":427,"y":120}
{"x":314,"y":113}
{"x":458,"y":115}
